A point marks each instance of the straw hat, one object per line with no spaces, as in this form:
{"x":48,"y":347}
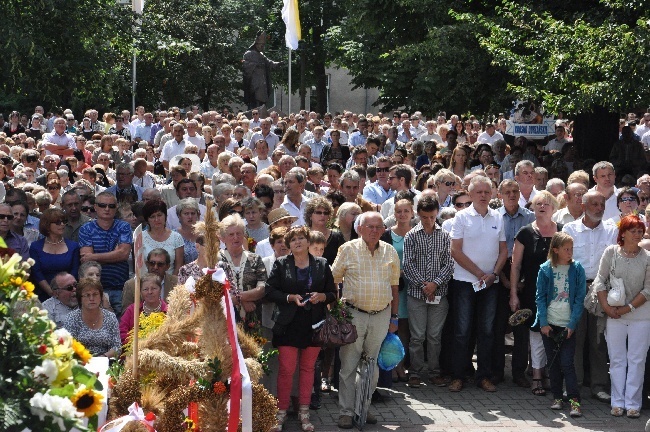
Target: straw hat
{"x":279,"y":214}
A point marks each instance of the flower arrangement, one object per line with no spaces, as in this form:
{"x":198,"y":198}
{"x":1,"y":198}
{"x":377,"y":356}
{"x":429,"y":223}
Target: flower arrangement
{"x":340,"y":311}
{"x":148,"y":324}
{"x":45,"y":386}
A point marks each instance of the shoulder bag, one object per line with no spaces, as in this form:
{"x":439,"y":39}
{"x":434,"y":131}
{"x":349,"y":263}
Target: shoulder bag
{"x":616,"y":293}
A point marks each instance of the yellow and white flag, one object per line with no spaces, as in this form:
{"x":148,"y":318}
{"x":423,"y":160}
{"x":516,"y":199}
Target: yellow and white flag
{"x":291,"y":19}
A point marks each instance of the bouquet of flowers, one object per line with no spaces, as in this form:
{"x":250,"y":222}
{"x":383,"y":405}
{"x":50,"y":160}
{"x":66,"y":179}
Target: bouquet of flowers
{"x":45,"y":386}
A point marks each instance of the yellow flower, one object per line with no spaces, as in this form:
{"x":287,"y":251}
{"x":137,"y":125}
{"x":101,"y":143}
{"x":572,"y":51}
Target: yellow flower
{"x":87,"y":402}
{"x":81,"y":351}
{"x":28,"y":287}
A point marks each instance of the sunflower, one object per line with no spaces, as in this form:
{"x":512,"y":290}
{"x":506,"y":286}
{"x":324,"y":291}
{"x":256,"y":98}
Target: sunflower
{"x":81,"y":351}
{"x":87,"y":402}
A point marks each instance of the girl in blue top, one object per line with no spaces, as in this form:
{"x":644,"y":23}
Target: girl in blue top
{"x":561,"y":287}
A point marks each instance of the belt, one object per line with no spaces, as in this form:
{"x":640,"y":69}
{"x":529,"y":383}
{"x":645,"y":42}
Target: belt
{"x":364,"y":311}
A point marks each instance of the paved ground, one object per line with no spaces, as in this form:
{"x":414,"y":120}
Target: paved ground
{"x":511,"y":408}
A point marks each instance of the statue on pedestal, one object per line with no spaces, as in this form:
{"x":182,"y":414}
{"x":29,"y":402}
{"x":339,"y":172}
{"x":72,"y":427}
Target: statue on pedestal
{"x":257,"y":73}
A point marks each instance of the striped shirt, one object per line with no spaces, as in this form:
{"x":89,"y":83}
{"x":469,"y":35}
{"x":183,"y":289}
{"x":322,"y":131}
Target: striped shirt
{"x":427,"y":258}
{"x":367,"y":278}
{"x":114,"y":275}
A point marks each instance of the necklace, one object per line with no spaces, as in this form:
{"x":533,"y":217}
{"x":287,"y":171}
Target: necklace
{"x":54,"y":243}
{"x":148,"y":310}
{"x":630,"y":254}
{"x":92,"y":324}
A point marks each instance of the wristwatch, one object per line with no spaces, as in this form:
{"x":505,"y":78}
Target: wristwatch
{"x":394,"y":316}
{"x":632,"y":308}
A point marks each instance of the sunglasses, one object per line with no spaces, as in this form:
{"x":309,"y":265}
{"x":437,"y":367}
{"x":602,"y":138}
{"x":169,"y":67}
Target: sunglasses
{"x":321,"y":213}
{"x":71,"y":287}
{"x":31,"y":158}
{"x":6,"y":161}
{"x":383,"y":169}
{"x":4,"y":216}
{"x":60,"y":222}
{"x":466,"y":204}
{"x":448,"y":184}
{"x":86,"y":208}
{"x":628,"y":199}
{"x":104,"y":205}
{"x":157,"y":264}
{"x":268,"y":205}
{"x":53,"y":187}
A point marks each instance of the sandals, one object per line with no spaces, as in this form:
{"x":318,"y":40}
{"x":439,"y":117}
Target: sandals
{"x":303,"y":415}
{"x":538,"y":390}
{"x":280,"y":417}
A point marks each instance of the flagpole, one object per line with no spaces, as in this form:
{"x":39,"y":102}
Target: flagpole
{"x":289,"y":81}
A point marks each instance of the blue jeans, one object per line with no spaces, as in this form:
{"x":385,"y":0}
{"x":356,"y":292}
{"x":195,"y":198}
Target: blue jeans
{"x":561,"y":364}
{"x":467,"y":306}
{"x":115,"y":296}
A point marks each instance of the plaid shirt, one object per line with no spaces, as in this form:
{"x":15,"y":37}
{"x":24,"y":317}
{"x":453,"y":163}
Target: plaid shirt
{"x":368,"y":277}
{"x":427,"y":258}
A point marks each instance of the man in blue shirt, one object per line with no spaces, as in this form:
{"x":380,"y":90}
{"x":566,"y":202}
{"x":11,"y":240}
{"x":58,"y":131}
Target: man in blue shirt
{"x":143,"y":131}
{"x":108,"y":241}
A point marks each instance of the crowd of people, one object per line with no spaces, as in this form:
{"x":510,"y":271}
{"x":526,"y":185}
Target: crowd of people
{"x":438,"y":230}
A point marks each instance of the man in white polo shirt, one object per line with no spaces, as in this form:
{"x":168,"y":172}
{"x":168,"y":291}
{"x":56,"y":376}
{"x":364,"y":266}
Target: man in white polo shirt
{"x":478,"y":246}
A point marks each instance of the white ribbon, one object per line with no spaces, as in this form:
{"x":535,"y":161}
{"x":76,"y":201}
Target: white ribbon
{"x":135,"y":414}
{"x":218,"y":274}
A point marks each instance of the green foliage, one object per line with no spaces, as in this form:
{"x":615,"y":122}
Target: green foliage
{"x":62,"y":52}
{"x":191,"y":52}
{"x":418,"y":56}
{"x":574,"y":56}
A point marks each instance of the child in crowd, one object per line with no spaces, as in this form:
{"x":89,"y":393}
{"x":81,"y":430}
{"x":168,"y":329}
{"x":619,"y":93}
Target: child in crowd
{"x":561,"y":286}
{"x":317,"y":243}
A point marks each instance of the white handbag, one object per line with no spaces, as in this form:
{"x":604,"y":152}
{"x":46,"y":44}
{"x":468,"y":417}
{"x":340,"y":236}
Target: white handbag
{"x":616,"y":294}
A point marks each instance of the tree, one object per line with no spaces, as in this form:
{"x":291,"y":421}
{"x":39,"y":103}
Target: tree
{"x":67,"y":53}
{"x":586,"y":58}
{"x":418,"y":56}
{"x":191,"y":52}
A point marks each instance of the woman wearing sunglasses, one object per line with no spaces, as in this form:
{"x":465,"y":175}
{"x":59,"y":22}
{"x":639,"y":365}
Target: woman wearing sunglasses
{"x":53,"y":254}
{"x":628,"y":203}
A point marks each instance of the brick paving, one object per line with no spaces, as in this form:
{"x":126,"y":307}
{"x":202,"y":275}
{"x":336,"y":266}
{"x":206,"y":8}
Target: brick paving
{"x":510,"y":409}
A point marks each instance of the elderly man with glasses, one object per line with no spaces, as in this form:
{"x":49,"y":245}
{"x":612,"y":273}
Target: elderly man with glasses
{"x":158,"y":262}
{"x":64,"y":300}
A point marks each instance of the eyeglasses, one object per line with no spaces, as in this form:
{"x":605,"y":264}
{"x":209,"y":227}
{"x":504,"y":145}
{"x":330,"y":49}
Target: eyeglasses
{"x":321,"y":213}
{"x":280,"y":191}
{"x":382,"y":169}
{"x":628,"y":199}
{"x":71,"y":287}
{"x":49,"y":161}
{"x":374,"y":227}
{"x":60,"y":222}
{"x":86,"y":208}
{"x":53,"y":187}
{"x":91,"y":295}
{"x":159,"y":264}
{"x":5,"y":216}
{"x":465,"y":204}
{"x":104,"y":205}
